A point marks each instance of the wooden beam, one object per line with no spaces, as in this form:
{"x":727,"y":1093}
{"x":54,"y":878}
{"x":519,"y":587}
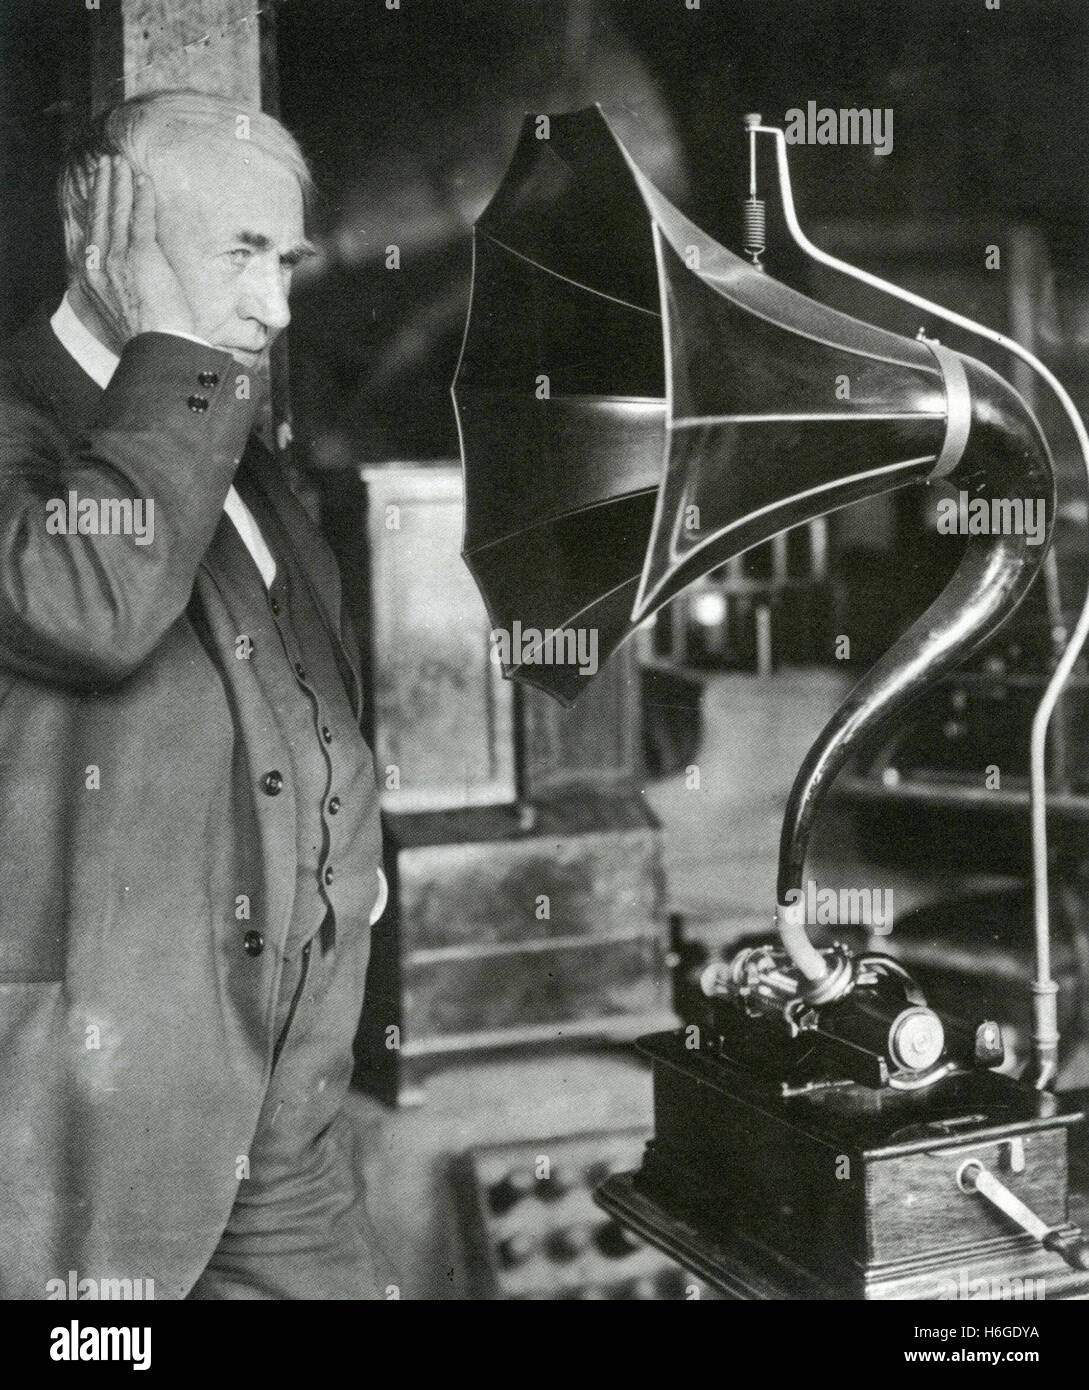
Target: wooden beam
{"x":149,"y":45}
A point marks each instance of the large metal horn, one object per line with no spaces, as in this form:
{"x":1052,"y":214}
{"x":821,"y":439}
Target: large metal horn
{"x":637,"y":404}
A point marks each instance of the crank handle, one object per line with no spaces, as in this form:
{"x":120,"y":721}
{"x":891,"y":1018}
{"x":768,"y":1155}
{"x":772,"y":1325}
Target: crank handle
{"x":1066,"y":1241}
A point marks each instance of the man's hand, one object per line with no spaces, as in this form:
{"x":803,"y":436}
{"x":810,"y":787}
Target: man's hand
{"x":126,"y":276}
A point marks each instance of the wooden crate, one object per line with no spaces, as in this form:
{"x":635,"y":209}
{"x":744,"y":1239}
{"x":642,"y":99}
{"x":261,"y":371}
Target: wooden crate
{"x":499,"y":935}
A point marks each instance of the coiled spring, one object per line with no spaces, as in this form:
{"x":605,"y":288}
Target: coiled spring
{"x":754,"y":227}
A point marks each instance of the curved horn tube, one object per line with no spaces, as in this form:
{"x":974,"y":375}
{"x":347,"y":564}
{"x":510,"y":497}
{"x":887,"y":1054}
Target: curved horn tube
{"x":1005,"y":457}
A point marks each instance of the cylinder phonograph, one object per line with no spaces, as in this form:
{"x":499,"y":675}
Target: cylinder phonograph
{"x":637,"y":405}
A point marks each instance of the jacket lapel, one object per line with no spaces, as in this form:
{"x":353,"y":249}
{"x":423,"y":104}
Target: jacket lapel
{"x":260,"y":471}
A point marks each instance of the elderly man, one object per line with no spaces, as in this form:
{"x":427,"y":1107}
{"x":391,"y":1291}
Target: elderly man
{"x":188,"y":811}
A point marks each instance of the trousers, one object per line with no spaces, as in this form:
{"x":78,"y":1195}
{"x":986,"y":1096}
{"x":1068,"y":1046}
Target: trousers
{"x":299,"y":1228}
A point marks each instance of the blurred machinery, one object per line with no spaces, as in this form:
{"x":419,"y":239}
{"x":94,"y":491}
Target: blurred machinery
{"x":767,"y":607}
{"x":532,"y":1231}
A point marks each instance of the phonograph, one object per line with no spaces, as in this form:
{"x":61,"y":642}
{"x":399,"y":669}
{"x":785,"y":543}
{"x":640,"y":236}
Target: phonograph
{"x":636,"y":405}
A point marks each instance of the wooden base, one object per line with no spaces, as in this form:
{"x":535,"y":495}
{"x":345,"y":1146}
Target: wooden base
{"x":846,"y":1192}
{"x":742,"y":1269}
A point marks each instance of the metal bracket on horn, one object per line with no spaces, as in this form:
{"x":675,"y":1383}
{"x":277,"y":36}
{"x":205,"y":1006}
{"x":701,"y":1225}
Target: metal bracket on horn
{"x":958,"y":406}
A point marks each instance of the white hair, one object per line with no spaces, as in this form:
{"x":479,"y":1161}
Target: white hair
{"x":144,"y":125}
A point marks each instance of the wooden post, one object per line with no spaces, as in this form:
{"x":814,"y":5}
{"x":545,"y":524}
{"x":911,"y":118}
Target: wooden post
{"x":148,"y":45}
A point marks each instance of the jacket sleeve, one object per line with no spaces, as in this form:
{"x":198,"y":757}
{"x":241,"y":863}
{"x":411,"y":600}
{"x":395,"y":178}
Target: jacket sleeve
{"x":86,"y":609}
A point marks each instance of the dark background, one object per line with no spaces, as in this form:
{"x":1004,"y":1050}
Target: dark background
{"x":990,"y":123}
{"x":410,"y":116}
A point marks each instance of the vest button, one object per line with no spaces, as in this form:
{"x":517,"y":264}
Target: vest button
{"x":334,"y":805}
{"x":300,"y":670}
{"x":253,"y":943}
{"x":198,"y":403}
{"x":327,"y":875}
{"x":208,"y":378}
{"x":327,"y":733}
{"x":272,"y":783}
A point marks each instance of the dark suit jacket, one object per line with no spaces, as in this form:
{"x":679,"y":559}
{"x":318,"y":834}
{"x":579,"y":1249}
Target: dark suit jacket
{"x":135,"y":1039}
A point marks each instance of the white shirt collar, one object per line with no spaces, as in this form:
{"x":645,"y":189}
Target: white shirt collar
{"x":94,"y":357}
{"x":100,"y":363}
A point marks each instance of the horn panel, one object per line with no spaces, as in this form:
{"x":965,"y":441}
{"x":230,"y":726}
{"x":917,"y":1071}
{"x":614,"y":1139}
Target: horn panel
{"x":778,"y":409}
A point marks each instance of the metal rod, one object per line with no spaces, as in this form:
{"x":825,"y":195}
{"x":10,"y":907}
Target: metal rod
{"x":1046,"y":1031}
{"x":752,"y":125}
{"x":764,"y":659}
{"x":818,"y":549}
